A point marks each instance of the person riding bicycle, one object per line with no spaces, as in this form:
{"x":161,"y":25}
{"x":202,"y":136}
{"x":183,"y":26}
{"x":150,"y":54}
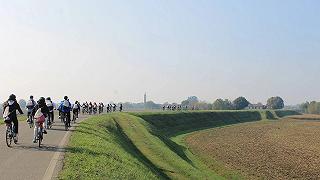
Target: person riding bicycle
{"x":43,"y":108}
{"x":12,"y":115}
{"x":114,"y":107}
{"x":90,"y":108}
{"x":108,"y":108}
{"x":95,"y":108}
{"x":65,"y":107}
{"x":121,"y":108}
{"x":100,"y":108}
{"x":51,"y":107}
{"x":79,"y":107}
{"x":30,"y":105}
{"x":75,"y":110}
{"x":84,"y":107}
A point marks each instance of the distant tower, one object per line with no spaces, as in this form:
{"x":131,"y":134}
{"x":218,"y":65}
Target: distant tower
{"x":145,"y":98}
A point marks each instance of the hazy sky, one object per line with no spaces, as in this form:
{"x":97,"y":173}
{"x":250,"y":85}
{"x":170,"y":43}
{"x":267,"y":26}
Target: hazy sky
{"x":115,"y":50}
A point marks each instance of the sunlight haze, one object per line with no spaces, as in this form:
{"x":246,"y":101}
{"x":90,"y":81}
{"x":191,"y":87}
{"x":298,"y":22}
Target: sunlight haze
{"x":171,"y":49}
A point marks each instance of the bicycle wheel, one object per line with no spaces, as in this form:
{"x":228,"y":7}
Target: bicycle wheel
{"x":40,"y":137}
{"x":8,"y":137}
{"x":49,"y":122}
{"x":40,"y":141}
{"x":65,"y":124}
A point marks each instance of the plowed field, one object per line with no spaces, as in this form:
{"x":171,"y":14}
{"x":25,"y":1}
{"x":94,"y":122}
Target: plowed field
{"x":280,"y":149}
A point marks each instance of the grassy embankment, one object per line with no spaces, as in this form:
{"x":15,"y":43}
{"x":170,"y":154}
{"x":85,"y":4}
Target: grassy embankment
{"x":148,"y":145}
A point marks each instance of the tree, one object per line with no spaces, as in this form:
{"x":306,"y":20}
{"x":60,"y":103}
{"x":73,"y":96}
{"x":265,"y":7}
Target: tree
{"x":240,"y":103}
{"x":190,"y":102}
{"x":202,"y":105}
{"x":304,"y":107}
{"x":152,"y":105}
{"x":22,"y":103}
{"x":221,"y":104}
{"x":275,"y":103}
{"x":313,"y":107}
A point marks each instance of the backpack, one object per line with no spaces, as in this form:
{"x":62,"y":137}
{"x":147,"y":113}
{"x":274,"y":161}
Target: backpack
{"x":65,"y":106}
{"x":31,"y":104}
{"x":75,"y":106}
{"x":39,"y":116}
{"x":50,"y":105}
{"x":6,"y":114}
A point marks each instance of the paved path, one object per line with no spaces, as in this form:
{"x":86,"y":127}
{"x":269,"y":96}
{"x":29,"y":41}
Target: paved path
{"x":27,"y":161}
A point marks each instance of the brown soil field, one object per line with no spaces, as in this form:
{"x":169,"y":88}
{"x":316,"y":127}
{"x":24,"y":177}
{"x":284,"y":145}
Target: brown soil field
{"x":282,"y":149}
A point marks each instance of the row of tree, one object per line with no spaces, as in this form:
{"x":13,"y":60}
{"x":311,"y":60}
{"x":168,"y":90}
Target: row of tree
{"x":225,"y":104}
{"x":310,"y":107}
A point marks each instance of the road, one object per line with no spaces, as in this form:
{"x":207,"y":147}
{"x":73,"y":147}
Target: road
{"x":27,"y":161}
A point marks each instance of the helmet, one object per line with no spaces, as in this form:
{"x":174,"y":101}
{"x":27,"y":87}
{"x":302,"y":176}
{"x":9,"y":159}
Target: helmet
{"x":48,"y":98}
{"x":31,"y":97}
{"x":66,"y":98}
{"x":12,"y":97}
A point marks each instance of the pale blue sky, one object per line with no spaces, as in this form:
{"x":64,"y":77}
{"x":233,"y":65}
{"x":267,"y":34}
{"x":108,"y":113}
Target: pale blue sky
{"x":117,"y":50}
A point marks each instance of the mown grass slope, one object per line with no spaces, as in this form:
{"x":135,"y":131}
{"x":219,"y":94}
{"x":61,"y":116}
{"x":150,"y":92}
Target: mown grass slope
{"x":99,"y":149}
{"x":145,"y":145}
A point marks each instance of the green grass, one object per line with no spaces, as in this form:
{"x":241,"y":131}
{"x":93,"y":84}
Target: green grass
{"x":99,"y":149}
{"x":147,"y":145}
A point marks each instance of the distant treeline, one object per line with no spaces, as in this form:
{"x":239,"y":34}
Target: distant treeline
{"x":193,"y":103}
{"x":310,"y":107}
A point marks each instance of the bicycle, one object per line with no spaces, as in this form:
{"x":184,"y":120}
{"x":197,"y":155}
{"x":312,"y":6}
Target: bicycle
{"x":10,"y":135}
{"x":30,"y":120}
{"x":75,"y":116}
{"x":39,"y":134}
{"x":49,"y":121}
{"x":65,"y":121}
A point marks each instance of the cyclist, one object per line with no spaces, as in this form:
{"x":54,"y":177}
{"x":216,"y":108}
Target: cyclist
{"x":45,"y":111}
{"x":84,"y":108}
{"x":101,"y":107}
{"x":13,"y":107}
{"x":30,"y":105}
{"x":120,"y":108}
{"x":79,"y":108}
{"x":95,"y":108}
{"x":65,"y":107}
{"x":108,"y":108}
{"x":114,"y":107}
{"x":90,"y":108}
{"x":75,"y":110}
{"x":50,"y":105}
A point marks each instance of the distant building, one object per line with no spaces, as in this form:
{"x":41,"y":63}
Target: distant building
{"x":257,"y":106}
{"x":145,"y":98}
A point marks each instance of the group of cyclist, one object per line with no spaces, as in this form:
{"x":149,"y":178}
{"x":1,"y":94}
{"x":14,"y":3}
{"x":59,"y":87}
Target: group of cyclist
{"x":113,"y":108}
{"x":92,"y":108}
{"x":174,"y":107}
{"x":40,"y":113}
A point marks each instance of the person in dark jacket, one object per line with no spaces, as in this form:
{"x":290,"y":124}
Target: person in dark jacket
{"x":45,"y":111}
{"x":13,"y":108}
